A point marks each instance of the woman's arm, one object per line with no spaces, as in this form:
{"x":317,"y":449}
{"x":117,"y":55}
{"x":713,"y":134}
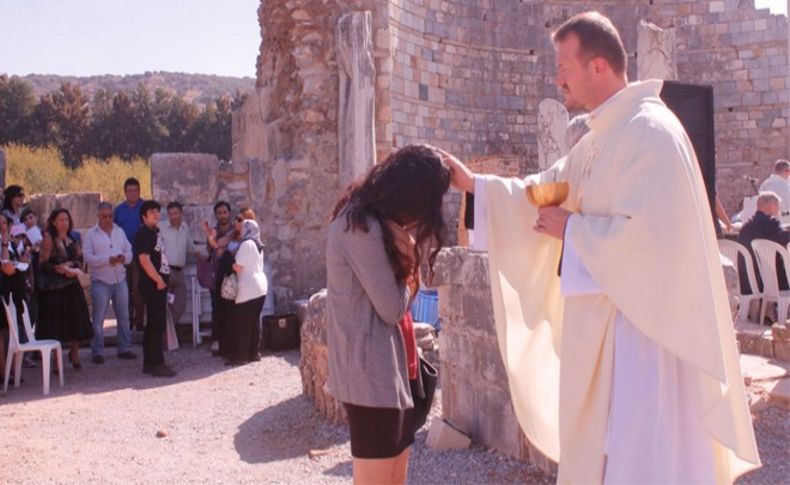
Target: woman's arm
{"x":368,"y":259}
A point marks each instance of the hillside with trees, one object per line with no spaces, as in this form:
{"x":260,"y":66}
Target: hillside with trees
{"x":197,"y":89}
{"x":128,"y":123}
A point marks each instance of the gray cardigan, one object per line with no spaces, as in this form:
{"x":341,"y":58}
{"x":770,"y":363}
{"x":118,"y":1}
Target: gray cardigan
{"x":367,"y":353}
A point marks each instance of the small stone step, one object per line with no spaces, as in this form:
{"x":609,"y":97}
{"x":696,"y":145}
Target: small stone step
{"x":768,"y":381}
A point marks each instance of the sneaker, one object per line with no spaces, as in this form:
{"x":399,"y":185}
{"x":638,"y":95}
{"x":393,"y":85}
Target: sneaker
{"x":128,"y":355}
{"x":161,"y":370}
{"x":215,"y":347}
{"x":98,"y":359}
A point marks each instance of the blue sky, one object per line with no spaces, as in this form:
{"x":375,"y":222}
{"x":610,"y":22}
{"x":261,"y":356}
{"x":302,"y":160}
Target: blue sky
{"x":87,"y":37}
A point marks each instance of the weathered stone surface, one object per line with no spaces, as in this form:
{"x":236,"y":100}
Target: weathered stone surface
{"x":448,"y":82}
{"x":250,"y":136}
{"x":356,"y":107}
{"x":444,"y":436}
{"x":656,"y":58}
{"x":81,"y":206}
{"x":313,"y":363}
{"x":552,"y":124}
{"x":186,"y":177}
{"x":475,"y":393}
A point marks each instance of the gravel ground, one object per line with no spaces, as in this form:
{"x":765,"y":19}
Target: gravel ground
{"x":247,"y":424}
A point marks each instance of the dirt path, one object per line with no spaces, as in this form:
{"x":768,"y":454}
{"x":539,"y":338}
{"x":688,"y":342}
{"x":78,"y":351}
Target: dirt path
{"x":249,"y":424}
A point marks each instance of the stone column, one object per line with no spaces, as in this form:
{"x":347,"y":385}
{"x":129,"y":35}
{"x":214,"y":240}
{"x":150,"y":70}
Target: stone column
{"x":552,"y":124}
{"x":356,"y":108}
{"x":655,"y":53}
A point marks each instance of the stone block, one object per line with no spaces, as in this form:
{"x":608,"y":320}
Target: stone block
{"x":656,"y":52}
{"x":190,"y":178}
{"x":42,"y":205}
{"x":444,"y":436}
{"x":82,"y":207}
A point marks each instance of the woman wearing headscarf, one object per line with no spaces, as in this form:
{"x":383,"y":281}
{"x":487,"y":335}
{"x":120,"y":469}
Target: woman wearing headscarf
{"x":244,"y":331}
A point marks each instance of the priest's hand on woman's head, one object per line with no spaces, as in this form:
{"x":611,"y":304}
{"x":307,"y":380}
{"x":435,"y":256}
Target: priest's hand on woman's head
{"x":551,"y":221}
{"x":462,"y":177}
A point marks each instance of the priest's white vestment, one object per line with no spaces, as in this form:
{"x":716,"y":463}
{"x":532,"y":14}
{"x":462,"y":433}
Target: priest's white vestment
{"x":625,"y":369}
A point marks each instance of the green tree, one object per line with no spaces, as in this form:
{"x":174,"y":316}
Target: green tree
{"x":147,"y":131}
{"x":101,"y":137}
{"x":17,"y":104}
{"x":71,"y":124}
{"x":122,"y":130}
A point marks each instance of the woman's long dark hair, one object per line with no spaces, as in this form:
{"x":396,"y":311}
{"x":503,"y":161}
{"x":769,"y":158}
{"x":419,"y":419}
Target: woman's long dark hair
{"x":9,"y":195}
{"x":406,"y":188}
{"x":51,"y":222}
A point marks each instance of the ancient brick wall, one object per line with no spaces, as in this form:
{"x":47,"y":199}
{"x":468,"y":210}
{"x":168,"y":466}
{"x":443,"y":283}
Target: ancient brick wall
{"x":468,"y":76}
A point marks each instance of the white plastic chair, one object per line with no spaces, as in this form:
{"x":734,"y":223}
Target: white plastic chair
{"x":731,"y":250}
{"x":765,"y":252}
{"x":197,"y":295}
{"x":16,"y":349}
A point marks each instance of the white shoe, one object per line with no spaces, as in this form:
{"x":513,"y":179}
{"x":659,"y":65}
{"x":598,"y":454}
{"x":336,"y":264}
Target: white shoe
{"x":215,"y":346}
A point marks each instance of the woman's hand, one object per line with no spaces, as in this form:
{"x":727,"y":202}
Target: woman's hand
{"x":8,"y":268}
{"x":60,"y":269}
{"x":404,"y":241}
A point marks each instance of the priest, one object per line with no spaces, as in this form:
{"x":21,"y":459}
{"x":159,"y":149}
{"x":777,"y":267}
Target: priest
{"x":611,"y":310}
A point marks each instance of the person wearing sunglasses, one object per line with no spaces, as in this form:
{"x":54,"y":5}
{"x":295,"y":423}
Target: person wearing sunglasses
{"x":14,"y":203}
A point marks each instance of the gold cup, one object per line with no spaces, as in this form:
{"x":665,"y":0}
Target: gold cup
{"x":548,"y":194}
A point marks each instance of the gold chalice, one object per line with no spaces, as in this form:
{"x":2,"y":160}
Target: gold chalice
{"x":548,"y":194}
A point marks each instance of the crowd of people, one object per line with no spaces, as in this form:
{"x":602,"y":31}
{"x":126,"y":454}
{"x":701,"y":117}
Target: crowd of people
{"x":134,"y":261}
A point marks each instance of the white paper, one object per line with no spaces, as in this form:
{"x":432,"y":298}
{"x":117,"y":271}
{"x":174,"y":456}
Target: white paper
{"x":34,"y":234}
{"x":20,"y":266}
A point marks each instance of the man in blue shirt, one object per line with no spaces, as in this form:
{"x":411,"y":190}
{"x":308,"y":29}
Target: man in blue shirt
{"x":127,"y":215}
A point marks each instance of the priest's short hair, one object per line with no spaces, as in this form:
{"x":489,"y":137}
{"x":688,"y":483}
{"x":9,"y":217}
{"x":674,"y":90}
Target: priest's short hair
{"x":598,"y":37}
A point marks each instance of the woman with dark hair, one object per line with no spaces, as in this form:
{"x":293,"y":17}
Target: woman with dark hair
{"x":62,"y":309}
{"x":381,"y":228}
{"x":13,"y":203}
{"x":244,"y":333}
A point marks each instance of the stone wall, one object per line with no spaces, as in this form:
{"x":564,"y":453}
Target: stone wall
{"x":468,"y":75}
{"x":475,"y":394}
{"x":81,"y":205}
{"x":314,"y":364}
{"x":289,"y":128}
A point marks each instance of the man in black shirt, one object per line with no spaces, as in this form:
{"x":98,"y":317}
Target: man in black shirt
{"x":763,"y":225}
{"x":149,"y":251}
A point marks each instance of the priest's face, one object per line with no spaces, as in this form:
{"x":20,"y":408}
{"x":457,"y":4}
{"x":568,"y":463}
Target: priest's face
{"x":574,"y":75}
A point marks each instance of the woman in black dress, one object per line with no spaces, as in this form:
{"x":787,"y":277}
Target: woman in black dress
{"x":63,"y":312}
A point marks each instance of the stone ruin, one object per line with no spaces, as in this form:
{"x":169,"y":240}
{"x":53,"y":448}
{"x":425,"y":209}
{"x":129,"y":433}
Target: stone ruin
{"x":341,"y":83}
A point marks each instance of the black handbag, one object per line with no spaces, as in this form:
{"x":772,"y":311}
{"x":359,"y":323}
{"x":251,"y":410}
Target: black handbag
{"x":422,"y":391}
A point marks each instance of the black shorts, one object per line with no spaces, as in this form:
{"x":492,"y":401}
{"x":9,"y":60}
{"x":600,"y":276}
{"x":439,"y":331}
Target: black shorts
{"x":379,"y":432}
